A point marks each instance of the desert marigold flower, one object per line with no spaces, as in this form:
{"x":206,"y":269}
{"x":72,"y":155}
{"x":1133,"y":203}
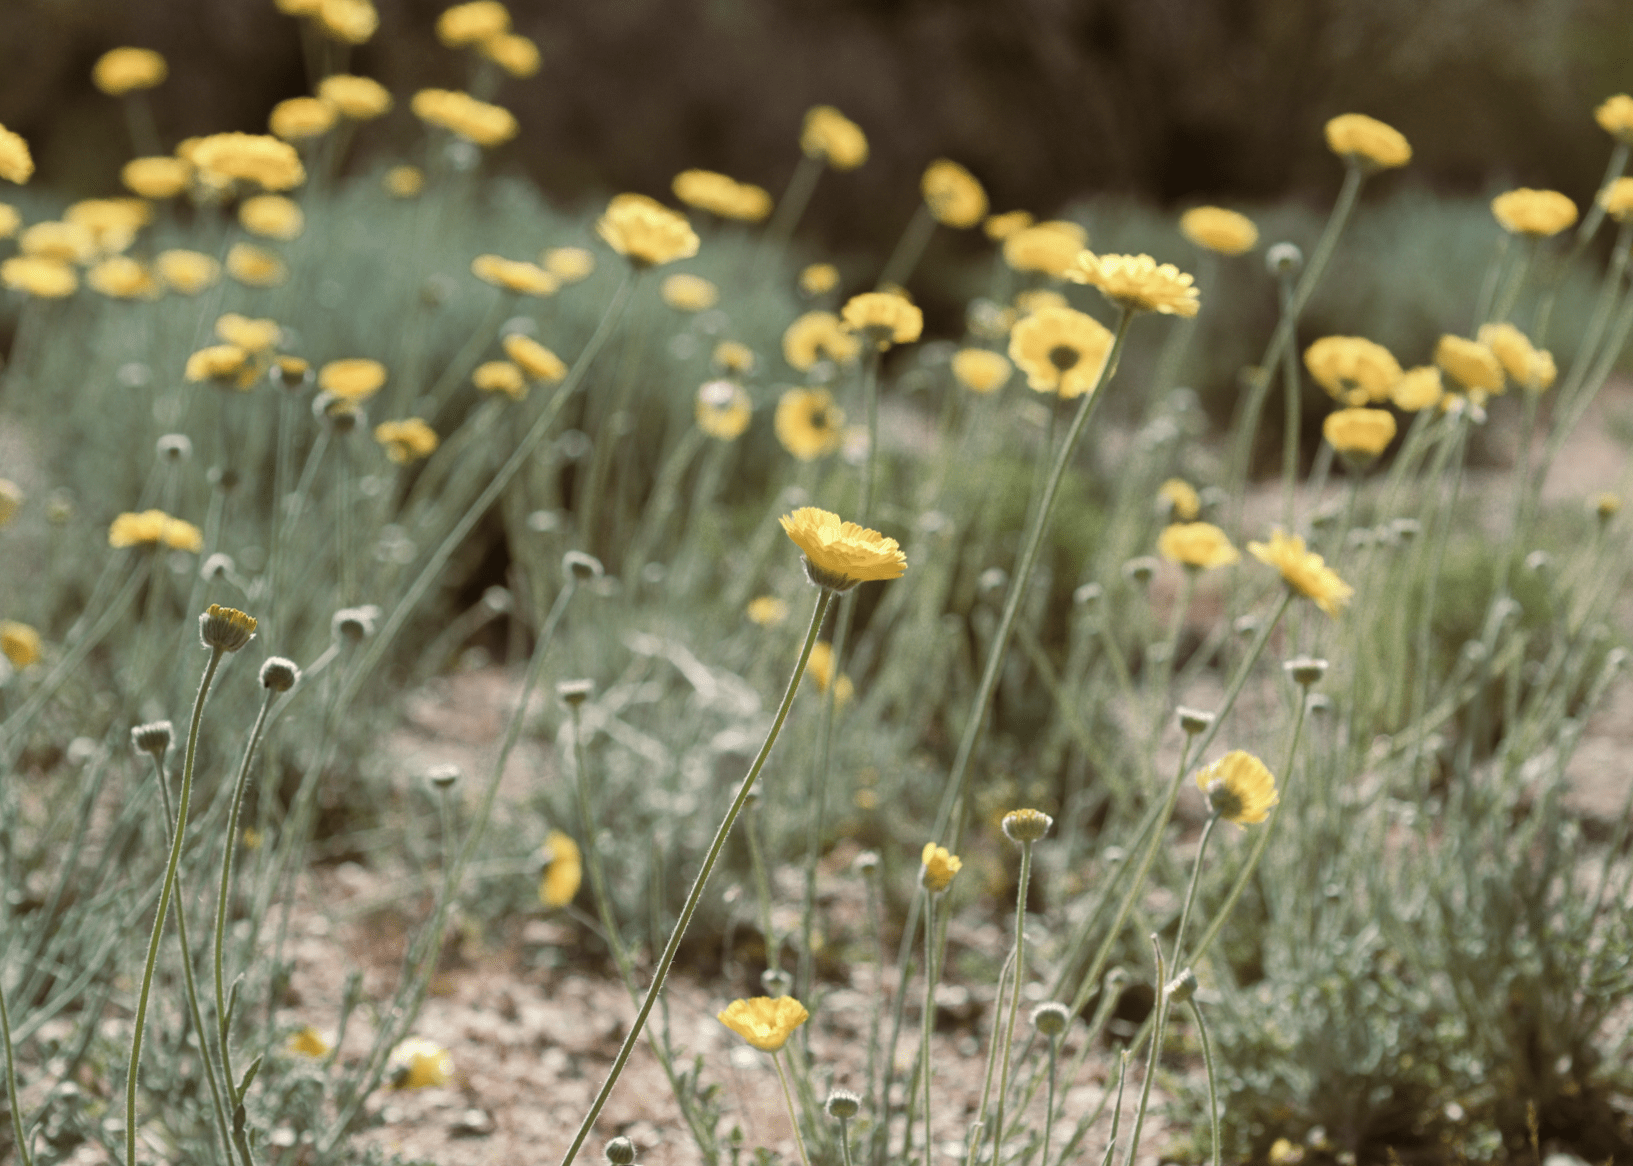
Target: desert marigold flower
{"x":512,"y":52}
{"x":1200,"y":545}
{"x":251,"y":335}
{"x":816,"y":335}
{"x":272,"y":216}
{"x":534,"y":359}
{"x":1000,"y":227}
{"x":407,"y":440}
{"x":820,"y":668}
{"x":500,"y":376}
{"x":11,"y":500}
{"x":937,"y":867}
{"x":255,"y":266}
{"x":688,"y":293}
{"x":1615,"y":117}
{"x":723,"y":409}
{"x":838,"y":554}
{"x":350,"y":21}
{"x":469,"y":24}
{"x":353,"y":379}
{"x":19,"y":643}
{"x":11,"y":220}
{"x":808,"y":423}
{"x":1538,"y":213}
{"x":1060,"y":350}
{"x":225,"y":628}
{"x":1138,"y":283}
{"x":1239,"y":787}
{"x":563,"y":872}
{"x":156,"y":177}
{"x":403,"y":181}
{"x":767,"y":611}
{"x":122,"y":277}
{"x":298,"y":118}
{"x":16,"y":163}
{"x":259,"y":158}
{"x":722,"y":195}
{"x":1026,"y":825}
{"x":1050,"y":248}
{"x":953,"y":194}
{"x":1218,"y":229}
{"x":46,"y":279}
{"x":1303,"y":570}
{"x":187,"y":272}
{"x":818,"y":279}
{"x":646,"y":232}
{"x":528,"y":279}
{"x":308,"y":1042}
{"x":119,"y":71}
{"x":568,"y":264}
{"x":64,"y":242}
{"x":1531,"y":368}
{"x":1617,"y":199}
{"x":1364,"y":433}
{"x":1418,"y":388}
{"x":1180,"y":498}
{"x":459,"y":112}
{"x":112,"y":222}
{"x":1352,"y":369}
{"x":764,"y":1022}
{"x":733,"y":356}
{"x":1367,"y":142}
{"x":883,"y":318}
{"x":357,"y":98}
{"x":419,"y":1064}
{"x":980,"y":370}
{"x":833,"y":137}
{"x":1469,"y":363}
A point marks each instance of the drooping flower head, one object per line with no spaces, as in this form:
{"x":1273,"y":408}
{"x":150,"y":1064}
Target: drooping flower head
{"x":1538,"y":213}
{"x":1201,"y":546}
{"x":953,"y":195}
{"x":1138,"y":283}
{"x":1352,"y":369}
{"x":834,"y":138}
{"x":1060,"y":350}
{"x":1367,"y":142}
{"x":1239,"y":787}
{"x":1048,"y":248}
{"x":723,"y":409}
{"x":1531,"y":368}
{"x":1303,"y":570}
{"x":808,"y":423}
{"x":1360,"y":434}
{"x":563,"y":872}
{"x":937,"y":867}
{"x":816,"y":335}
{"x":120,"y":71}
{"x":838,"y":554}
{"x":883,"y":317}
{"x":980,"y":370}
{"x":646,"y":232}
{"x":764,"y":1022}
{"x":1218,"y":229}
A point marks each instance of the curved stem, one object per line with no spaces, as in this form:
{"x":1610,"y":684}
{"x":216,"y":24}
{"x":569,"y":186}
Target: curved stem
{"x":1151,"y":1057}
{"x":1190,"y":894}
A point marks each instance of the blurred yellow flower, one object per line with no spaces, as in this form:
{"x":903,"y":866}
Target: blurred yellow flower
{"x":1530,"y":368}
{"x":272,"y":216}
{"x":937,"y":867}
{"x":688,"y":293}
{"x":255,"y":266}
{"x":1615,"y":117}
{"x":19,"y":643}
{"x":1201,"y":545}
{"x":308,"y":1042}
{"x":808,"y":423}
{"x":47,"y":279}
{"x":1362,"y":433}
{"x":733,"y":356}
{"x":350,"y":21}
{"x":407,"y":440}
{"x":723,"y":409}
{"x":418,"y":1063}
{"x":1239,"y":787}
{"x":62,"y":241}
{"x":537,"y":361}
{"x":1419,"y":388}
{"x":258,"y":158}
{"x":151,"y":527}
{"x":1050,"y":248}
{"x":354,"y":379}
{"x":1367,"y":142}
{"x":1469,"y":363}
{"x":722,"y":195}
{"x":882,"y":317}
{"x":225,"y":364}
{"x":1605,"y":504}
{"x":1538,"y":213}
{"x":816,"y":335}
{"x":187,"y":272}
{"x":500,"y":376}
{"x":404,"y":181}
{"x":1034,"y":300}
{"x":1617,"y":199}
{"x":111,"y":222}
{"x":1138,"y":283}
{"x":10,"y":220}
{"x":298,"y":118}
{"x":820,"y":668}
{"x":1181,"y":499}
{"x":568,"y":264}
{"x":156,"y":177}
{"x":16,"y":163}
{"x":980,"y":370}
{"x":122,"y":277}
{"x":1000,"y":227}
{"x":455,"y":110}
{"x":357,"y":98}
{"x":646,"y":232}
{"x":297,"y":7}
{"x":839,"y":555}
{"x":1060,"y":350}
{"x":514,"y":275}
{"x":953,"y":194}
{"x":763,"y":1022}
{"x":1352,"y":369}
{"x":468,"y":24}
{"x":1303,"y":570}
{"x":818,"y":279}
{"x":11,"y":500}
{"x":563,"y":873}
{"x":1218,"y":229}
{"x":767,"y":611}
{"x":834,"y":138}
{"x":119,"y":71}
{"x":515,"y":54}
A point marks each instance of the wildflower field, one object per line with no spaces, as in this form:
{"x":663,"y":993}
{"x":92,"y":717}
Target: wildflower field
{"x":1136,"y":719}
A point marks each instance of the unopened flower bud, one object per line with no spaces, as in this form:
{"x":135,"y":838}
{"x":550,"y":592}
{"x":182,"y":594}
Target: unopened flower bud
{"x":1193,"y":721}
{"x":1539,"y":562}
{"x":1283,"y":259}
{"x":868,"y":861}
{"x":443,"y":777}
{"x":1182,"y":987}
{"x":1021,"y":826}
{"x":581,"y":568}
{"x":1246,"y":626}
{"x":575,"y":692}
{"x":1318,"y":703}
{"x":620,"y":1152}
{"x":354,"y":624}
{"x":776,"y":982}
{"x":1305,"y":670}
{"x":842,"y":1104}
{"x":1051,"y":1019}
{"x":224,"y":478}
{"x":152,"y":738}
{"x":175,"y":447}
{"x":992,"y":583}
{"x":217,"y":566}
{"x":1088,"y":595}
{"x":1141,"y":570}
{"x":1406,"y":529}
{"x":225,"y":628}
{"x":280,"y":674}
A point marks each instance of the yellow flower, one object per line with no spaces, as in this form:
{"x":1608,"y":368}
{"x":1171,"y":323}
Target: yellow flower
{"x":11,"y":500}
{"x":187,"y":272}
{"x":689,"y":293}
{"x":351,"y":21}
{"x":308,"y":1042}
{"x":535,"y":359}
{"x":1197,"y":544}
{"x":418,"y":1063}
{"x":258,"y":158}
{"x":1050,"y":248}
{"x":407,"y":440}
{"x":272,"y":216}
{"x":952,"y":194}
{"x":1470,"y":363}
{"x":808,"y":423}
{"x":1219,"y":229}
{"x":112,"y":222}
{"x":1538,"y":213}
{"x":1137,"y":282}
{"x":16,"y":163}
{"x":298,"y":118}
{"x":1615,"y":117}
{"x":156,"y":177}
{"x":763,"y":1022}
{"x":816,"y":335}
{"x":1181,"y":499}
{"x":297,"y":7}
{"x":1060,"y":350}
{"x":455,"y":110}
{"x":722,"y":195}
{"x":980,"y":370}
{"x":19,"y":643}
{"x":723,"y":409}
{"x":568,"y":264}
{"x":1239,"y":787}
{"x":255,"y":266}
{"x":767,"y":611}
{"x":404,"y":181}
{"x":10,"y":220}
{"x":1617,"y":199}
{"x":468,"y":24}
{"x":292,"y":369}
{"x":1363,"y":433}
{"x":818,"y":279}
{"x":523,"y":278}
{"x":1531,"y":368}
{"x":563,"y":873}
{"x":834,"y":138}
{"x":1034,"y":300}
{"x":1352,"y":369}
{"x":359,"y":98}
{"x":1606,"y":505}
{"x":1367,"y":142}
{"x":1303,"y":570}
{"x":883,"y":317}
{"x":1418,"y":388}
{"x":500,"y":376}
{"x":515,"y":54}
{"x":122,"y":277}
{"x":938,"y":865}
{"x":353,"y":379}
{"x":733,"y":356}
{"x":1000,"y":227}
{"x":62,"y":241}
{"x":48,"y":279}
{"x":152,"y":527}
{"x":118,"y":71}
{"x":226,"y":364}
{"x":646,"y":232}
{"x":839,"y":555}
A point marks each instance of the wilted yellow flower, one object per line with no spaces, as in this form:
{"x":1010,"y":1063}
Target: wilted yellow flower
{"x":1362,"y":433}
{"x":1469,"y":363}
{"x":359,"y":98}
{"x":351,"y":21}
{"x":418,"y":1064}
{"x":112,"y":222}
{"x":820,"y":668}
{"x":980,"y":370}
{"x":62,"y":241}
{"x":1181,"y":499}
{"x":818,"y":279}
{"x":839,"y":555}
{"x":1529,"y":367}
{"x":10,"y":220}
{"x":258,"y":158}
{"x":534,"y":359}
{"x":723,"y":409}
{"x":118,"y":71}
{"x":515,"y":275}
{"x":19,"y":643}
{"x":16,"y":163}
{"x":1060,"y":350}
{"x":11,"y":500}
{"x":767,"y":610}
{"x":1617,"y":199}
{"x":1367,"y":142}
{"x":1000,"y":227}
{"x":298,"y":118}
{"x":1050,"y":248}
{"x":1615,"y":117}
{"x":308,"y":1042}
{"x":733,"y":356}
{"x":764,"y":1022}
{"x":468,"y":24}
{"x":1538,"y":213}
{"x":953,"y":194}
{"x":156,"y":177}
{"x":938,"y":865}
{"x":1137,"y":282}
{"x":688,"y":293}
{"x":816,"y":335}
{"x":404,"y":181}
{"x":458,"y":111}
{"x":1352,"y":369}
{"x":500,"y":376}
{"x":407,"y":440}
{"x":1201,"y":545}
{"x":1303,"y":570}
{"x":808,"y":423}
{"x":48,"y":279}
{"x":354,"y":379}
{"x":272,"y":216}
{"x":722,"y":195}
{"x":883,"y":318}
{"x":151,"y":527}
{"x":1239,"y":787}
{"x":123,"y":278}
{"x":833,"y":137}
{"x":1218,"y":229}
{"x":646,"y":232}
{"x":255,"y":266}
{"x":1418,"y":388}
{"x":568,"y":264}
{"x":563,"y":873}
{"x":187,"y":272}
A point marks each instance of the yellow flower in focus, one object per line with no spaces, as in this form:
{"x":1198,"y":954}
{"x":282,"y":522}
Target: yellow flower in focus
{"x":1218,"y":229}
{"x":258,"y":158}
{"x":1531,"y":368}
{"x":646,"y":232}
{"x":937,"y":867}
{"x":298,"y":118}
{"x":1418,"y":388}
{"x":1367,"y":142}
{"x":839,"y":555}
{"x":818,"y":279}
{"x":767,"y":611}
{"x":515,"y":275}
{"x":1363,"y":433}
{"x":151,"y":527}
{"x":953,"y":194}
{"x":1470,"y":363}
{"x":19,"y":643}
{"x":1060,"y":350}
{"x":1000,"y":227}
{"x":418,"y":1064}
{"x":357,"y":98}
{"x":816,"y":335}
{"x":119,"y":71}
{"x":722,"y":195}
{"x":1615,"y":117}
{"x":723,"y":409}
{"x":47,"y":279}
{"x":808,"y":423}
{"x":563,"y":873}
{"x":272,"y":216}
{"x":883,"y":318}
{"x":62,"y":241}
{"x":980,"y":370}
{"x":514,"y":53}
{"x":455,"y":110}
{"x":534,"y":359}
{"x":350,"y":21}
{"x":1138,"y":283}
{"x":255,"y":266}
{"x":407,"y":440}
{"x":469,"y":24}
{"x":156,"y":177}
{"x":187,"y":272}
{"x":733,"y":356}
{"x":1352,"y":369}
{"x":354,"y":379}
{"x":763,"y":1022}
{"x":308,"y":1042}
{"x":123,"y":278}
{"x":404,"y":181}
{"x":1200,"y":545}
{"x":688,"y":293}
{"x":500,"y":376}
{"x":568,"y":264}
{"x":11,"y":220}
{"x":834,"y":138}
{"x":820,"y":668}
{"x":1181,"y":499}
{"x":1303,"y":570}
{"x":1239,"y":787}
{"x":1538,"y":213}
{"x":16,"y":163}
{"x":112,"y":222}
{"x":1617,"y":199}
{"x":1050,"y":248}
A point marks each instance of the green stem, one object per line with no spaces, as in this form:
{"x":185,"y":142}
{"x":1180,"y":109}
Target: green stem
{"x":1151,"y":1057}
{"x":909,"y":250}
{"x":1292,"y":395}
{"x":790,"y":209}
{"x":793,"y":1114}
{"x":928,"y":1025}
{"x":465,"y":359}
{"x":1190,"y":893}
{"x":18,"y":1134}
{"x":1049,"y":1111}
{"x":1014,"y":1001}
{"x":1213,"y":1080}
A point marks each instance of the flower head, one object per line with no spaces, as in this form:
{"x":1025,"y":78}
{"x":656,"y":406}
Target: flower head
{"x":1218,"y":229}
{"x":1138,"y":283}
{"x":152,"y":527}
{"x":249,"y":335}
{"x":1470,"y":363}
{"x":953,"y":194}
{"x":764,"y":1022}
{"x":156,"y":177}
{"x":38,"y":276}
{"x":535,"y":359}
{"x":1239,"y":788}
{"x":297,"y":118}
{"x":418,"y":1064}
{"x":1026,"y":825}
{"x":187,"y":272}
{"x":1352,"y":369}
{"x":353,"y":379}
{"x":258,"y":158}
{"x":16,"y":163}
{"x":937,"y":867}
{"x":1303,"y":570}
{"x":514,"y":275}
{"x":1617,"y":199}
{"x":407,"y":440}
{"x":816,"y":335}
{"x":119,"y":71}
{"x":123,"y":278}
{"x":1615,"y":117}
{"x":818,"y":279}
{"x":308,"y":1042}
{"x":723,"y":409}
{"x":357,"y":98}
{"x":882,"y":317}
{"x":1199,"y":545}
{"x":1050,"y":248}
{"x":733,"y":356}
{"x":471,"y":23}
{"x":350,"y":21}
{"x":563,"y":873}
{"x":459,"y":112}
{"x":255,"y":266}
{"x":568,"y":264}
{"x":980,"y":370}
{"x":19,"y":643}
{"x":1001,"y":227}
{"x":1060,"y":350}
{"x":225,"y":628}
{"x":1538,"y":213}
{"x":1367,"y":142}
{"x":404,"y":181}
{"x":11,"y":500}
{"x":1418,"y":388}
{"x":512,"y":52}
{"x":1181,"y":499}
{"x":838,"y":554}
{"x":1531,"y":368}
{"x":272,"y":216}
{"x":722,"y":195}
{"x":1361,"y":433}
{"x":646,"y":232}
{"x":808,"y":423}
{"x":767,"y":611}
{"x":820,"y":668}
{"x":500,"y":376}
{"x":688,"y":293}
{"x":834,"y":138}
{"x":224,"y":364}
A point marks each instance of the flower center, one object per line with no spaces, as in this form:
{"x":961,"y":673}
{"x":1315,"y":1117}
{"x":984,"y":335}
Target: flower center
{"x":819,"y":419}
{"x":1064,"y":357}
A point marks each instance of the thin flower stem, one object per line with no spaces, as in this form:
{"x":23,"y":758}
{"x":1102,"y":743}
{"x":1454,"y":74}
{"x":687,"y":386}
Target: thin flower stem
{"x":1014,"y":1000}
{"x":1584,"y":235}
{"x":592,"y":856}
{"x":844,"y":1142}
{"x":790,"y":209}
{"x":928,"y":1020}
{"x":1049,"y":1111}
{"x":1190,"y":893}
{"x":667,"y":959}
{"x":465,"y":359}
{"x":19,"y":1135}
{"x":793,"y":1114}
{"x":1116,"y":1112}
{"x":1213,"y":1080}
{"x":909,"y":248}
{"x":1292,"y":391}
{"x":1161,"y":1013}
